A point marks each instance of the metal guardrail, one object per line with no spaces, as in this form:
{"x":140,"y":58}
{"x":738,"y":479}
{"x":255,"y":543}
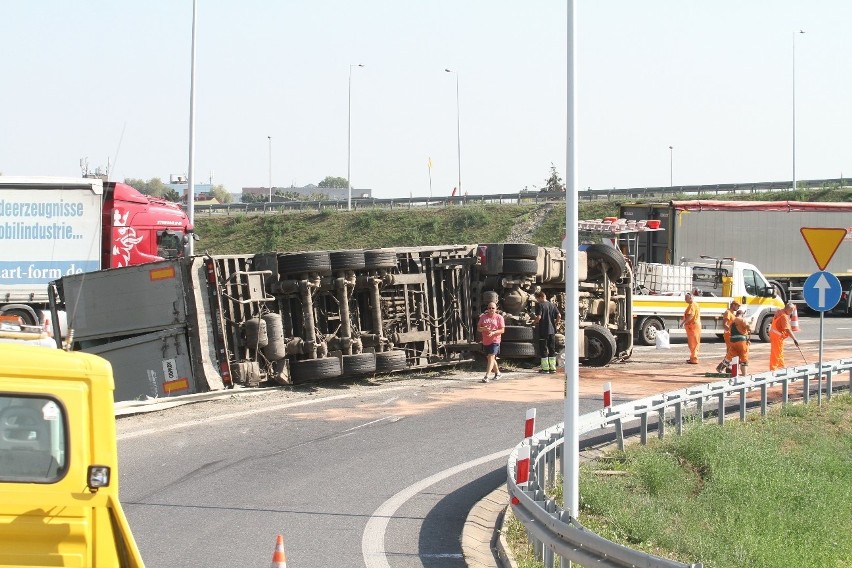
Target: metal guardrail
{"x":533,"y":196}
{"x":554,"y":532}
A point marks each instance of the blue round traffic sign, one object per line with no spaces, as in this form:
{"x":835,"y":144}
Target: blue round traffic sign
{"x":822,"y":291}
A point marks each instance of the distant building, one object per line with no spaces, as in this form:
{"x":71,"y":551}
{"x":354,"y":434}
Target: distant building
{"x":179,"y":182}
{"x":332,"y":193}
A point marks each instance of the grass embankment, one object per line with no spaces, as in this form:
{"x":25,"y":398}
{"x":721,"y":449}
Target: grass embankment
{"x":769,"y":492}
{"x":461,"y":224}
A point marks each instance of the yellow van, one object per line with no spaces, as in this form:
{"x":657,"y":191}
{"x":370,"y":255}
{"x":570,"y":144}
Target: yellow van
{"x":58,"y":462}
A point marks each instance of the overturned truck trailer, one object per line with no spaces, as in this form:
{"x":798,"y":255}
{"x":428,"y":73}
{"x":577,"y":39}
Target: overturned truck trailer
{"x":215,"y":321}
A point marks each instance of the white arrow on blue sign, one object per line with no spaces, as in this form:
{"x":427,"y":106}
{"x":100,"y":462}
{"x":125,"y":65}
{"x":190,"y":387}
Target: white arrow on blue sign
{"x":822,"y":291}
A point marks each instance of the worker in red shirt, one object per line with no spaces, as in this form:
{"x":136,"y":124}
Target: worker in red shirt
{"x":778,"y":332}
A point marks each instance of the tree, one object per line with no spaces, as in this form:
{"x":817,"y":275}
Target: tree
{"x":221,"y":194}
{"x":333,"y":182}
{"x":253,"y":198}
{"x":554,"y":182}
{"x":153,"y":187}
{"x":171,"y":195}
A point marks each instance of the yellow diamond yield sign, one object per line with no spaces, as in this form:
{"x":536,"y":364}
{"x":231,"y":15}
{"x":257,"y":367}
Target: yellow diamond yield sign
{"x":823,"y":243}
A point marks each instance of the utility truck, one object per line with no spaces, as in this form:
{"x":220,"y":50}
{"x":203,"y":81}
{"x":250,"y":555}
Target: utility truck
{"x":764,"y":232}
{"x":216,"y":321}
{"x":52,"y":227}
{"x":658,"y":301}
{"x":59,"y":501}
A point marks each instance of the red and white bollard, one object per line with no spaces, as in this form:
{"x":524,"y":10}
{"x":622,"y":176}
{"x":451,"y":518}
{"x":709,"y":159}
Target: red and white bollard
{"x":607,"y":395}
{"x":529,"y":424}
{"x":735,"y":366}
{"x":522,"y":473}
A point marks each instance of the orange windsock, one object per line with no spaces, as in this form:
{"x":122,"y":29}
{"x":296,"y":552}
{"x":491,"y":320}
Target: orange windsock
{"x":279,"y":559}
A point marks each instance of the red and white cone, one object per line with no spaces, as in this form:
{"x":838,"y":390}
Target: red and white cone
{"x":794,"y":319}
{"x":529,"y":424}
{"x":279,"y":559}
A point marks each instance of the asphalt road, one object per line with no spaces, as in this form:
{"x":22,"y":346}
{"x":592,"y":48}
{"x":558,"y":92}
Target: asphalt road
{"x":379,"y":473}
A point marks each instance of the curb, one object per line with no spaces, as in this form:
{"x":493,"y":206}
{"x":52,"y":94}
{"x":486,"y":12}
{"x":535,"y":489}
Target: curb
{"x":483,"y":542}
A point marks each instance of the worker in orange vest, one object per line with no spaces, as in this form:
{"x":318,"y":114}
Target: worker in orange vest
{"x":740,"y":341}
{"x":778,"y":332}
{"x":692,"y":324}
{"x":728,"y":317}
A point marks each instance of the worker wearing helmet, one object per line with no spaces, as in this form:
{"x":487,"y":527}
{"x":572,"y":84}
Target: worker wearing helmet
{"x":739,"y":341}
{"x":778,"y":332}
{"x":692,"y":324}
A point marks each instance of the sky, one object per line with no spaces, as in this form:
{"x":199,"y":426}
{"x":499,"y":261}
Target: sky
{"x":109,"y":82}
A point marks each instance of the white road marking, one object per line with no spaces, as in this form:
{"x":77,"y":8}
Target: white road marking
{"x":373,"y":541}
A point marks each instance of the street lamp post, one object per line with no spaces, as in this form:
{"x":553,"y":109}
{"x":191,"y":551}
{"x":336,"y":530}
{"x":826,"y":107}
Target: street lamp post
{"x":458,"y":126}
{"x":349,"y":142}
{"x":270,"y":168}
{"x":794,"y":107}
{"x":671,"y":166}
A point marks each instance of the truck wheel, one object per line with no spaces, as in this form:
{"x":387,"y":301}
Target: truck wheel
{"x":299,"y":263}
{"x":600,"y":346}
{"x":359,"y":364}
{"x":28,"y":316}
{"x":647,"y":333}
{"x":511,"y":350}
{"x":315,"y":369}
{"x":347,"y":260}
{"x":780,"y":291}
{"x":606,"y":259}
{"x":519,"y":266}
{"x":520,"y":250}
{"x":388,"y":361}
{"x":379,"y":258}
{"x":518,"y":333}
{"x":763,"y":329}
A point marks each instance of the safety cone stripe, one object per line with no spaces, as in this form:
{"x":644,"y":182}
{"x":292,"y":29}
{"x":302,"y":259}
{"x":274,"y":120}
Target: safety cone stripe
{"x":279,"y":559}
{"x":529,"y":424}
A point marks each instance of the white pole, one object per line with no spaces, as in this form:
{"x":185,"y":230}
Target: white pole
{"x":349,"y":141}
{"x":190,"y":180}
{"x":671,"y":166}
{"x":571,"y":473}
{"x":458,"y":127}
{"x":270,"y":168}
{"x":794,"y":108}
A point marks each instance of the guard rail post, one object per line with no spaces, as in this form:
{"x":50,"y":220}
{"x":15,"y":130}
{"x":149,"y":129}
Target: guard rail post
{"x":643,"y":425}
{"x":829,"y":382}
{"x":764,"y":403}
{"x":679,"y":417}
{"x":743,"y":404}
{"x":619,"y":434}
{"x":661,"y":419}
{"x":806,"y":387}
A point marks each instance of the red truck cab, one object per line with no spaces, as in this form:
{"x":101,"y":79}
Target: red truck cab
{"x":139,"y":228}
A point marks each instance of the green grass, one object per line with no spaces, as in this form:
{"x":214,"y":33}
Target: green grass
{"x":769,"y":492}
{"x":401,"y":227}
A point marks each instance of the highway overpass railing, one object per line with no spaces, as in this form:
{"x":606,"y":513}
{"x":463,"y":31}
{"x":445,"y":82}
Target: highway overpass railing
{"x":554,"y":532}
{"x":531,"y":196}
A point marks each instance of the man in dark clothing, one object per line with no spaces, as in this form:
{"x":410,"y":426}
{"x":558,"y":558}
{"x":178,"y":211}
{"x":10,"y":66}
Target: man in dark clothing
{"x":547,"y":317}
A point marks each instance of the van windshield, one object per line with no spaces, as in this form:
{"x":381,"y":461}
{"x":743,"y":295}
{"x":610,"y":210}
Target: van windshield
{"x":32,"y":439}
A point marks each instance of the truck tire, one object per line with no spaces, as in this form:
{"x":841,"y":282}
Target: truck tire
{"x":512,"y":350}
{"x":520,"y":250}
{"x":764,"y":327}
{"x":519,"y":266}
{"x":359,"y":364}
{"x":306,"y":370}
{"x":780,"y":291}
{"x":380,"y":258}
{"x":347,"y":260}
{"x":607,"y":259}
{"x":520,"y":333}
{"x":388,"y":361}
{"x":647,"y":332}
{"x":255,"y":331}
{"x":600,"y":346}
{"x":302,"y":262}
